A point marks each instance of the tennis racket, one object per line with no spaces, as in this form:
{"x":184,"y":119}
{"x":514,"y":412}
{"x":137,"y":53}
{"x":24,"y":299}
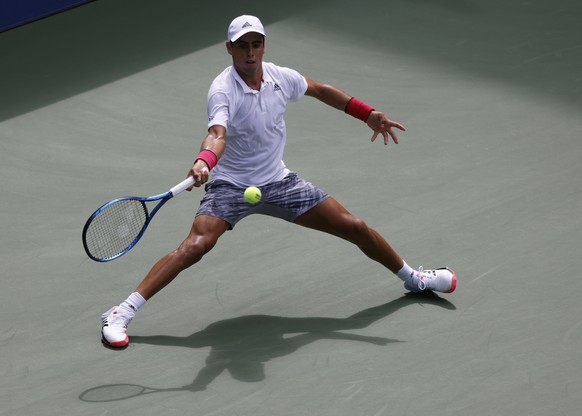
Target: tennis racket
{"x":115,"y":227}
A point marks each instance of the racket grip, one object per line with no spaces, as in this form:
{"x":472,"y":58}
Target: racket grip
{"x":182,"y":186}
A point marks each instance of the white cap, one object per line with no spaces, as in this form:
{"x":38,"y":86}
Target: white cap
{"x":243,"y":25}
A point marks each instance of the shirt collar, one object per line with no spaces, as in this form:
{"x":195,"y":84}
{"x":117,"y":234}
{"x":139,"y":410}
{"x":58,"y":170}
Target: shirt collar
{"x":248,"y":90}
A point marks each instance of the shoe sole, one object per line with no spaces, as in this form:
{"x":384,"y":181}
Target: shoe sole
{"x":117,"y":344}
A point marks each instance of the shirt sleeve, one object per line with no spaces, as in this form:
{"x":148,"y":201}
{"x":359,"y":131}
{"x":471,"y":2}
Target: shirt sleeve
{"x":296,"y":83}
{"x":217,"y":109}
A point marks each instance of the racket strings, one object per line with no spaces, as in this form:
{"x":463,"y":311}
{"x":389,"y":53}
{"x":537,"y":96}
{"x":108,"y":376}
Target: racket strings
{"x":115,"y":228}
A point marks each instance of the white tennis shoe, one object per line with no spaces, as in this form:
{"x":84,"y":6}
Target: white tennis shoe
{"x":439,"y":280}
{"x":114,"y":326}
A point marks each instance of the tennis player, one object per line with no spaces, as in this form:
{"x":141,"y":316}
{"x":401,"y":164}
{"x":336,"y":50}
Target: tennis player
{"x":244,"y":146}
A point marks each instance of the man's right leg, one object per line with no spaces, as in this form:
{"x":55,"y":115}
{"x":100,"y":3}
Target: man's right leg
{"x":205,"y":232}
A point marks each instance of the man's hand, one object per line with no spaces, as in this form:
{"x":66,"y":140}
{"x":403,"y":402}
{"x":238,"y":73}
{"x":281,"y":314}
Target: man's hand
{"x":378,"y":122}
{"x":200,"y":173}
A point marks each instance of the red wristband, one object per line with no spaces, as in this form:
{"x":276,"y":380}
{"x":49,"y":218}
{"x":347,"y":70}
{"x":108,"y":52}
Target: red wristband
{"x":358,"y":109}
{"x":209,"y":157}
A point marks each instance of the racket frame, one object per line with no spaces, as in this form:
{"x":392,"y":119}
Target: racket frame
{"x":163,"y":198}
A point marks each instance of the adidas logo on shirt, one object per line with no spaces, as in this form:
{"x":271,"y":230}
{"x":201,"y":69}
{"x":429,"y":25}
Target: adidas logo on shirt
{"x":276,"y":87}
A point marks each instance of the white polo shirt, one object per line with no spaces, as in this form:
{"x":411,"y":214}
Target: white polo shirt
{"x":255,"y":129}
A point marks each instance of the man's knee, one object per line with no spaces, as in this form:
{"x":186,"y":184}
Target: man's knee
{"x":194,"y":248}
{"x":358,"y":228}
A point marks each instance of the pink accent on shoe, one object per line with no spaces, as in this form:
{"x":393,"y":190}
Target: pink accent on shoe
{"x":453,"y":282}
{"x":117,"y":344}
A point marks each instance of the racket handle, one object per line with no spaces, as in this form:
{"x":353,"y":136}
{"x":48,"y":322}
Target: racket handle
{"x":182,"y":186}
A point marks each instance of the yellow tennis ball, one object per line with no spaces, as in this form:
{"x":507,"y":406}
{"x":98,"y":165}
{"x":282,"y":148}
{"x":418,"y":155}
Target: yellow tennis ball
{"x":252,"y":195}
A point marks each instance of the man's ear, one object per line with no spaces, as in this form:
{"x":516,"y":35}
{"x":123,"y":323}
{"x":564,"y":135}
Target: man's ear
{"x":229,"y":47}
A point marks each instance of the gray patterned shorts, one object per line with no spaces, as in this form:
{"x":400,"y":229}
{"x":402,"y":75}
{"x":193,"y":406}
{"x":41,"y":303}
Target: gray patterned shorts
{"x":286,"y":199}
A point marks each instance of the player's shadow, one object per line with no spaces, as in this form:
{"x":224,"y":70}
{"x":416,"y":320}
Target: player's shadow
{"x":243,"y":345}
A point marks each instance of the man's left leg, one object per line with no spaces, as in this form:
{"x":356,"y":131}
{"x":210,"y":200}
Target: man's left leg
{"x":331,"y":217}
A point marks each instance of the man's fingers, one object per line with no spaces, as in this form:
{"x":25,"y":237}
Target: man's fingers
{"x":393,"y":135}
{"x":200,"y":177}
{"x":398,"y":126}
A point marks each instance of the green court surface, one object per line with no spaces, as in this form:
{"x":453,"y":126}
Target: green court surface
{"x":109,"y":99}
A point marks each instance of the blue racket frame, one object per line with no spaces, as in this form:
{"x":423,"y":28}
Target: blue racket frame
{"x":163,"y":198}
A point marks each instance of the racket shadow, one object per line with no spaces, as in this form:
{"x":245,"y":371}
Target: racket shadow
{"x":243,"y":345}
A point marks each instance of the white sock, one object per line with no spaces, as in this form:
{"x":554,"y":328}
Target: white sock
{"x":133,"y":302}
{"x":405,"y":273}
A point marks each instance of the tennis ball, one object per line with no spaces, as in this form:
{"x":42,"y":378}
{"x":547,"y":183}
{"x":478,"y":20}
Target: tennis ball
{"x":252,"y":195}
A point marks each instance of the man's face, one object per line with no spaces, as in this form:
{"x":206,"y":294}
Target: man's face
{"x":247,"y":53}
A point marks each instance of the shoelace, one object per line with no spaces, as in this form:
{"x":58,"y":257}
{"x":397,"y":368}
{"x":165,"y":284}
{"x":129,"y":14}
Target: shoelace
{"x":422,"y":277}
{"x":119,"y":318}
